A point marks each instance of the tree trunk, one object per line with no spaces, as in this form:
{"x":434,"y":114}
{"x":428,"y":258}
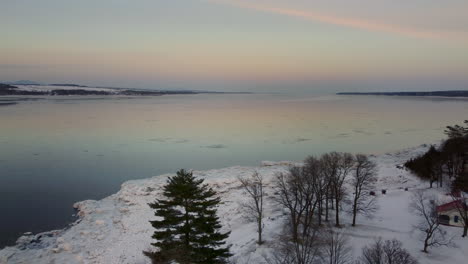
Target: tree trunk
{"x":295,"y":228}
{"x":357,"y":195}
{"x":326,"y":208}
{"x":319,"y":213}
{"x":425,"y":246}
{"x":187,"y":221}
{"x":260,"y":231}
{"x":354,"y":214}
{"x":337,"y":215}
{"x":465,"y":230}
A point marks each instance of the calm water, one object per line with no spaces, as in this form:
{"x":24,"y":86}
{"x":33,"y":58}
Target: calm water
{"x":54,"y":152}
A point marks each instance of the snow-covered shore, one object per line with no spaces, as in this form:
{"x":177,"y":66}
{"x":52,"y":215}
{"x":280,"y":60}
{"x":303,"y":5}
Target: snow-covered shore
{"x":116,"y":229}
{"x":50,"y":88}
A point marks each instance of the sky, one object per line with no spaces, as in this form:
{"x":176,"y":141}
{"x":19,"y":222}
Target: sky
{"x":238,"y":45}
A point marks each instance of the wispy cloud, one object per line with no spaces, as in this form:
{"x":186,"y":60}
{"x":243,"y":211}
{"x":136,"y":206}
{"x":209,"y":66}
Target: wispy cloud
{"x":349,"y":22}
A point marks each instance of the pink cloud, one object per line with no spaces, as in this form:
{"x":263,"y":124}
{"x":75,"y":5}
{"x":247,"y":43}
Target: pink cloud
{"x":348,"y":22}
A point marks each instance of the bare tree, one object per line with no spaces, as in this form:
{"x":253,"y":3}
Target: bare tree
{"x":386,"y":252}
{"x":305,"y":250}
{"x":433,"y":234}
{"x":314,"y":169}
{"x":336,"y":248}
{"x":373,"y":254}
{"x":462,"y":208}
{"x":363,"y":180}
{"x":296,"y":194}
{"x":336,"y":166}
{"x":255,"y":189}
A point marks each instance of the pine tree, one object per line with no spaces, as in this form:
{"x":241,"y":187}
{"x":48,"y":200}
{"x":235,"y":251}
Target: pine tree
{"x":457,"y":131}
{"x":187,"y":229}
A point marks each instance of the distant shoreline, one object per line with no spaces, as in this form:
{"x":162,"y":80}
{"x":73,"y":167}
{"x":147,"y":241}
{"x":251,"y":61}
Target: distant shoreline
{"x":74,"y":89}
{"x":458,"y":93}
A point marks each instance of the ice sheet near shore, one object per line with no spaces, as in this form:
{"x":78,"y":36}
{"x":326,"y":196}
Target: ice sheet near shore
{"x":116,"y":229}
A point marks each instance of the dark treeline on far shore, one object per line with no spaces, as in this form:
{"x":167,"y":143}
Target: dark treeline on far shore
{"x":6,"y":89}
{"x":457,"y":93}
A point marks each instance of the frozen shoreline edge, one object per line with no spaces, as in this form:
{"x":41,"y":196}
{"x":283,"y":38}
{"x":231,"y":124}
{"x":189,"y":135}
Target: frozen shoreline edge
{"x":98,"y":218}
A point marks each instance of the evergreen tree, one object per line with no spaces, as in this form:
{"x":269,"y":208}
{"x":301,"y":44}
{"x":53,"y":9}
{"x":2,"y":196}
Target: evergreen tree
{"x":187,"y":228}
{"x":457,"y":131}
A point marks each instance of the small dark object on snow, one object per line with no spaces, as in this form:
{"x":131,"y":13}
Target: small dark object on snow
{"x":372,"y":193}
{"x":384,"y":191}
{"x":406,"y":189}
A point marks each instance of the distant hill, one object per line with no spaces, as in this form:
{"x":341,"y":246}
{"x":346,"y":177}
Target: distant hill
{"x":7,"y":89}
{"x":456,"y":93}
{"x":64,"y":89}
{"x":26,"y":87}
{"x":7,"y":86}
{"x":67,"y":84}
{"x":23,"y":82}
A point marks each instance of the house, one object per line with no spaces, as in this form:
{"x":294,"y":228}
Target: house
{"x":449,"y":213}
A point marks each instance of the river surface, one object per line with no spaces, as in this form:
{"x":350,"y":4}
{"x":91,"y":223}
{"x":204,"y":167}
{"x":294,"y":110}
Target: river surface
{"x":60,"y":150}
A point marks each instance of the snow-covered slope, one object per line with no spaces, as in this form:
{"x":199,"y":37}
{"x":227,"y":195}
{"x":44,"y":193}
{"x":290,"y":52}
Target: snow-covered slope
{"x":116,"y":229}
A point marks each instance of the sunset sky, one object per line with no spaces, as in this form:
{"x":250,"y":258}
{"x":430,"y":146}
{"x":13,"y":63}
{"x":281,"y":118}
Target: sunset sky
{"x":264,"y":45}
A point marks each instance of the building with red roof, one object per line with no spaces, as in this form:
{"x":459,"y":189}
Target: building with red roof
{"x":449,"y":213}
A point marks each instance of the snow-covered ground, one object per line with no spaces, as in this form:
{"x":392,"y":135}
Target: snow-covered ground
{"x":48,"y":88}
{"x":116,"y":229}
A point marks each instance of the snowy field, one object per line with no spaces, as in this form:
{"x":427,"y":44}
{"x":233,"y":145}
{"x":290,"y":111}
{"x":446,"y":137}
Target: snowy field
{"x":116,"y":229}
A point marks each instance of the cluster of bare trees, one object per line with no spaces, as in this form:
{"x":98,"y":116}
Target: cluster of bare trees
{"x":386,"y":252}
{"x":323,"y":184}
{"x":333,"y":247}
{"x":312,"y":194}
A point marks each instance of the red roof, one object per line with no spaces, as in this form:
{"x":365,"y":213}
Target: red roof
{"x":449,"y":206}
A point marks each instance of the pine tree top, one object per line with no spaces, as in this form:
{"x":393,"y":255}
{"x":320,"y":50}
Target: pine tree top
{"x":187,"y":223}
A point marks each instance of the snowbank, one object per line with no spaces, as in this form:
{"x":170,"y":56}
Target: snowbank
{"x":116,"y":228}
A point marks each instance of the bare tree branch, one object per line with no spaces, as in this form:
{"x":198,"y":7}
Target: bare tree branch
{"x":386,"y":252}
{"x":255,"y":189}
{"x":336,"y":167}
{"x":363,"y":181}
{"x":296,"y":194}
{"x":336,"y":248}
